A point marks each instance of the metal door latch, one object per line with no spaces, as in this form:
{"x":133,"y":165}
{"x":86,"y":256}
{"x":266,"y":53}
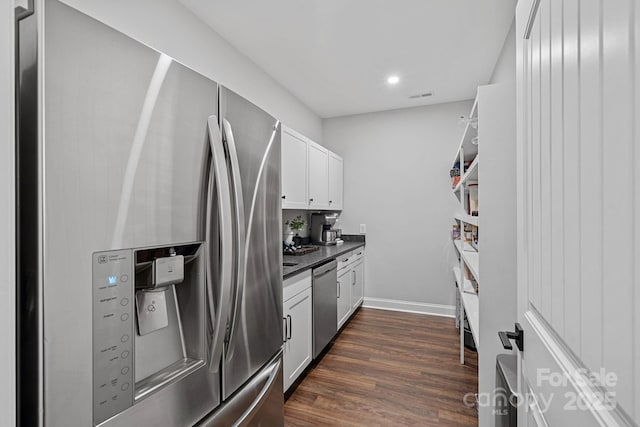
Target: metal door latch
{"x":518,"y":336}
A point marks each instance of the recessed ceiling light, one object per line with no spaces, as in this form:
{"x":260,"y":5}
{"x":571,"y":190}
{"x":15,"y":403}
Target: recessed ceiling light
{"x":393,"y":80}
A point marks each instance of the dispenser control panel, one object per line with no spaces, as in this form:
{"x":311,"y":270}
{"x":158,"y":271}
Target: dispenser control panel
{"x":113,"y":333}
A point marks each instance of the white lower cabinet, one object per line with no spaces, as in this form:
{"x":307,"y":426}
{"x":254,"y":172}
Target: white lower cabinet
{"x":298,"y":327}
{"x":350,"y":284}
{"x":357,"y":289}
{"x":344,"y":295}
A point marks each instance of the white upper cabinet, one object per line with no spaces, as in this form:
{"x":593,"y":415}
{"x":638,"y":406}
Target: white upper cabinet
{"x":336,"y":181}
{"x":294,"y":170}
{"x":312,"y":176}
{"x":318,"y":173}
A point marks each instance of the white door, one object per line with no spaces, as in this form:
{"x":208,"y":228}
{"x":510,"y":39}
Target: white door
{"x":318,"y":177}
{"x":335,"y":181}
{"x":294,"y":170}
{"x":357,"y":292}
{"x":344,"y":295}
{"x":298,"y":334}
{"x":578,"y":208}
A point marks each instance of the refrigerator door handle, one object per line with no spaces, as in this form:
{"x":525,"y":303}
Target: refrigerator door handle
{"x":248,"y":415}
{"x":240,"y":228}
{"x":243,"y":242}
{"x":23,"y":8}
{"x":219,"y":313}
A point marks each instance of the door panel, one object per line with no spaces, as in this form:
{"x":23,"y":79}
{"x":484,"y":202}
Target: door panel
{"x":578,"y":185}
{"x":318,"y":177}
{"x":336,"y":171}
{"x":618,"y":144}
{"x":298,"y":348}
{"x":294,"y":171}
{"x":358,"y":284}
{"x":255,"y":328}
{"x":571,"y":175}
{"x":344,"y":299}
{"x":125,"y":160}
{"x":589,"y":157}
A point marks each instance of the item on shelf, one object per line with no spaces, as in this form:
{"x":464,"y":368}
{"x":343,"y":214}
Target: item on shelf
{"x":474,"y":213}
{"x":455,"y":174}
{"x":455,"y":233}
{"x":468,"y":336}
{"x":473,"y":197}
{"x":467,"y":272}
{"x":468,"y":232}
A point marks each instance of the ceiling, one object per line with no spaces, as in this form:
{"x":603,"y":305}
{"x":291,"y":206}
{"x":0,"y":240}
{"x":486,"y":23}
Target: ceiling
{"x":335,"y":55}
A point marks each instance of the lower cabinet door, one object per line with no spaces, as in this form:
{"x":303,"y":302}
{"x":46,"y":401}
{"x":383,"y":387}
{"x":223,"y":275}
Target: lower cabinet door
{"x":344,"y":296}
{"x":357,"y":291}
{"x":298,"y":336}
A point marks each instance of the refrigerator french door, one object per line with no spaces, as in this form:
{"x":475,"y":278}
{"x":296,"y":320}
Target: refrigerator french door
{"x":147,"y":227}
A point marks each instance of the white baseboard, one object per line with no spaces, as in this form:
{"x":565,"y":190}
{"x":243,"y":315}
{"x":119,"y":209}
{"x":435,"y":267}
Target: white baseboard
{"x":410,"y":307}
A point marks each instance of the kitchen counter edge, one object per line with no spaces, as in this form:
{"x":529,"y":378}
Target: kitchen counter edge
{"x":312,"y":260}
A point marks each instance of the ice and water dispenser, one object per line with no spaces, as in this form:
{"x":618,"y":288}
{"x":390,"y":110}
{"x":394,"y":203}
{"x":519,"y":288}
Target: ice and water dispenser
{"x":148,"y":322}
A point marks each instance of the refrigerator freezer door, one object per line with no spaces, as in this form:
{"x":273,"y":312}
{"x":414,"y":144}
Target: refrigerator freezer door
{"x":255,"y":328}
{"x":259,"y":403}
{"x":125,"y":163}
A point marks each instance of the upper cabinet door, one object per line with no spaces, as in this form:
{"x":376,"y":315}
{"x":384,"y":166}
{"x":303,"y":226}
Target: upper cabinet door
{"x":294,"y":170}
{"x":318,"y":176}
{"x":335,"y":181}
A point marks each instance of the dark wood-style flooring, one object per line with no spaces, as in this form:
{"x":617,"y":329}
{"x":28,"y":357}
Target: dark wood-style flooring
{"x":388,"y":369}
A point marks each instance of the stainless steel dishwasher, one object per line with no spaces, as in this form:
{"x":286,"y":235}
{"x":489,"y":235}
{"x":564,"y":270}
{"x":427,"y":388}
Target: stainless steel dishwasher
{"x":325,"y":307}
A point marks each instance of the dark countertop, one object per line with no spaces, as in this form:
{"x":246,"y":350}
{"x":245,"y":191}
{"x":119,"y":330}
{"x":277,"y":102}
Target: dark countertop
{"x":306,"y":262}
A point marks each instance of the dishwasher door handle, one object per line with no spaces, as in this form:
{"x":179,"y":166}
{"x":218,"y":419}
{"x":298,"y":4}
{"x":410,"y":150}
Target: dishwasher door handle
{"x":324,"y":273}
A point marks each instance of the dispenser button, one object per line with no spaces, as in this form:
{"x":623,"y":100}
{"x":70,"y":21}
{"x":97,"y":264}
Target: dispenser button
{"x":124,"y":278}
{"x":124,"y":317}
{"x":125,"y":370}
{"x":124,"y":338}
{"x":124,"y":301}
{"x":124,"y":355}
{"x":124,"y":387}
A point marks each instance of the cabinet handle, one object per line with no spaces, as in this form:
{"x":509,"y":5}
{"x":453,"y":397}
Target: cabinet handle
{"x":353,"y":278}
{"x":311,"y":200}
{"x":290,"y":328}
{"x":338,"y":283}
{"x":284,"y":197}
{"x":284,"y":340}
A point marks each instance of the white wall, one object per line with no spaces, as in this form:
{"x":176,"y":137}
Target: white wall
{"x":7,"y":235}
{"x":397,"y":182}
{"x":505,"y":68}
{"x":168,"y":26}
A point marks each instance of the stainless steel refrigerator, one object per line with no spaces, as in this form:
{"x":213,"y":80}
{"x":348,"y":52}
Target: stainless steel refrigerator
{"x":149,"y":259}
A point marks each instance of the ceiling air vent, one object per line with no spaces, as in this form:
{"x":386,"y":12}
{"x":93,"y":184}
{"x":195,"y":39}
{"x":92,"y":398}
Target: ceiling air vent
{"x":421,"y":95}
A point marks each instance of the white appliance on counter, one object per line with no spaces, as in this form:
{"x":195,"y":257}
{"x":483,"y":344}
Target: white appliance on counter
{"x":149,"y":254}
